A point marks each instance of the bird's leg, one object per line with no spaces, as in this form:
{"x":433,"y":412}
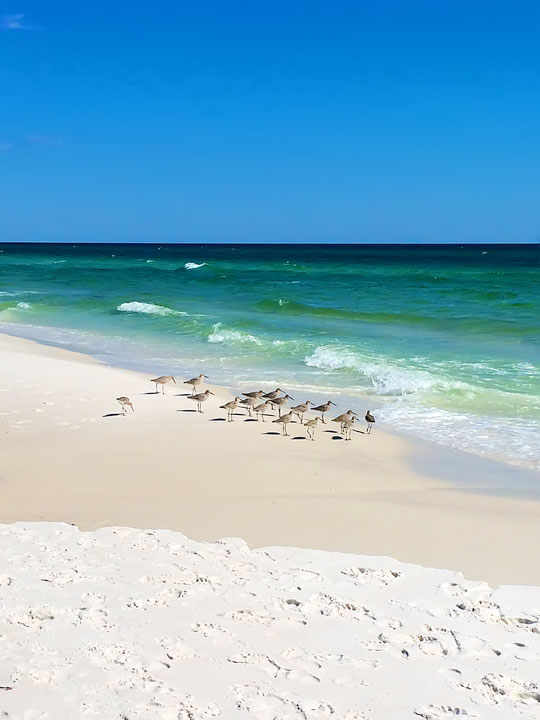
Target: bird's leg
{"x":322,"y":416}
{"x":279,"y":410}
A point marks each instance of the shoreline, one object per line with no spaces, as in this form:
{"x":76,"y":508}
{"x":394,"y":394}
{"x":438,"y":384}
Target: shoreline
{"x":424,"y":452}
{"x":167,"y":468}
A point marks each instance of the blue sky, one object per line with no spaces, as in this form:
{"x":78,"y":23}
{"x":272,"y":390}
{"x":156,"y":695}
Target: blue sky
{"x":261,"y":121}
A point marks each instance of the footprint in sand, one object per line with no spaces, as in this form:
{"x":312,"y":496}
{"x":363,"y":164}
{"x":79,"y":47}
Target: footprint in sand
{"x":497,"y":689}
{"x":369,"y":576}
{"x":442,"y":712}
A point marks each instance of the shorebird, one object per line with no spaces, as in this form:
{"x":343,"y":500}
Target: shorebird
{"x":281,"y":402}
{"x":284,"y":420}
{"x":310,"y":426}
{"x":255,"y":394}
{"x":370,"y":419}
{"x":273,"y":394}
{"x":163,"y":380}
{"x":323,"y":408}
{"x":261,"y":409}
{"x":125,"y":402}
{"x":344,"y":418}
{"x":346,"y":427}
{"x":230,"y":407}
{"x":200,"y":398}
{"x":301,"y":409}
{"x":249,"y":403}
{"x":195,"y":381}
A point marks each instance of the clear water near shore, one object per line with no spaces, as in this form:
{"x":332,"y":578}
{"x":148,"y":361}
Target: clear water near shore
{"x":440,"y":341}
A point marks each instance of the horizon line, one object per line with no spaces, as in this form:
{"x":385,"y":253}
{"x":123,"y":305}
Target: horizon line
{"x":252,"y":243}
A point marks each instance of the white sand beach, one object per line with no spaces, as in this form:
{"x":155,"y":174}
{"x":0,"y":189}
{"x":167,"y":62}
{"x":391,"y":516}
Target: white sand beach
{"x":139,"y":621}
{"x":68,"y":455}
{"x":123,"y":623}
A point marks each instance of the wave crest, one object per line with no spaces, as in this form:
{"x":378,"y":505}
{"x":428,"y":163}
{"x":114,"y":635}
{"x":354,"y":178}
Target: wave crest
{"x":386,"y":378}
{"x":147,"y":308}
{"x":193,"y":266}
{"x":219,"y":335}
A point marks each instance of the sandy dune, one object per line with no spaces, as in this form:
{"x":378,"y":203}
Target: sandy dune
{"x":123,"y":623}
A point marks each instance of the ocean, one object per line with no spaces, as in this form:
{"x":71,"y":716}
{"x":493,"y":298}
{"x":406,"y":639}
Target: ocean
{"x":439,"y":341}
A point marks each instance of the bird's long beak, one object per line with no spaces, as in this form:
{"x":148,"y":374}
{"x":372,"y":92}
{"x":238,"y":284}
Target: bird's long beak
{"x":206,"y":376}
{"x":333,"y":403}
{"x":174,"y":381}
{"x":211,"y":393}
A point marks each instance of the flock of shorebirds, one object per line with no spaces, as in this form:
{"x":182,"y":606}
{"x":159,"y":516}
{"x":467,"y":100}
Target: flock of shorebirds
{"x":260,"y":403}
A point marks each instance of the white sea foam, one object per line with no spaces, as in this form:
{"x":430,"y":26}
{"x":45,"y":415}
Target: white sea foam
{"x":220,"y":335}
{"x":386,"y":378}
{"x":476,"y":434}
{"x":147,"y":309}
{"x":24,"y":306}
{"x":193,"y":266}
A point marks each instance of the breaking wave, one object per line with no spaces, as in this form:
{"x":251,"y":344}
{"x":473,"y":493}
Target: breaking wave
{"x":147,"y":309}
{"x":219,"y":335}
{"x":193,"y":266}
{"x":386,"y":378}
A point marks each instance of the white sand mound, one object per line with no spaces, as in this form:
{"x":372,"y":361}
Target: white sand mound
{"x":130,"y":624}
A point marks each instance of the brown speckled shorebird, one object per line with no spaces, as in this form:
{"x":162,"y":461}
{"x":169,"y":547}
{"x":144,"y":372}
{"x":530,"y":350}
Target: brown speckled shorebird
{"x":281,"y":402}
{"x":273,"y":394}
{"x":249,"y":403}
{"x":284,"y":420}
{"x":194,"y":382}
{"x":345,"y":417}
{"x":162,"y":380}
{"x":310,"y":426}
{"x":370,"y":419}
{"x":261,"y":409}
{"x":324,"y":408}
{"x":125,"y":402}
{"x":200,"y":398}
{"x":301,"y":409}
{"x":230,"y":407}
{"x":254,"y":394}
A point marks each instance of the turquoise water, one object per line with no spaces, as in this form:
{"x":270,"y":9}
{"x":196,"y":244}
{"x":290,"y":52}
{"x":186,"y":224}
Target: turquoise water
{"x":440,"y":341}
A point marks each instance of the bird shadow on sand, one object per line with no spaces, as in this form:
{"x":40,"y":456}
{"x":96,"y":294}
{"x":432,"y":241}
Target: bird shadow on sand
{"x":188,"y":411}
{"x":272,"y":433}
{"x":215,"y":419}
{"x":298,"y":437}
{"x":250,"y":420}
{"x":337,"y":437}
{"x":112,"y":415}
{"x":183,"y":395}
{"x":152,"y":392}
